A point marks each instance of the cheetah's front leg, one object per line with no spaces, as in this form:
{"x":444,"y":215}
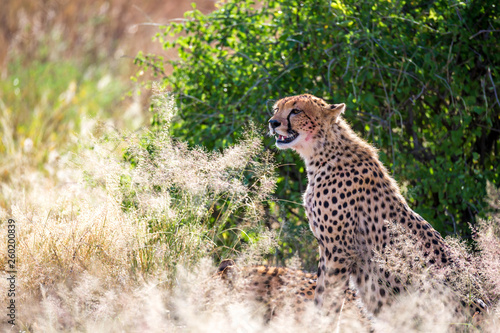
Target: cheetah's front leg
{"x":333,"y":282}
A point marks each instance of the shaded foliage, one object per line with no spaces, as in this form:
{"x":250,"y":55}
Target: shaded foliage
{"x":420,"y":79}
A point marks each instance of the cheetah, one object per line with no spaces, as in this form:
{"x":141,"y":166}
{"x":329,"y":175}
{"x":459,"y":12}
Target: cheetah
{"x":271,"y":285}
{"x":349,"y":200}
{"x":282,"y":290}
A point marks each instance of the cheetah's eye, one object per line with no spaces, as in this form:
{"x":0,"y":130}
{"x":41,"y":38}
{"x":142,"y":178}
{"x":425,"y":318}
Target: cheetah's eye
{"x":295,"y":111}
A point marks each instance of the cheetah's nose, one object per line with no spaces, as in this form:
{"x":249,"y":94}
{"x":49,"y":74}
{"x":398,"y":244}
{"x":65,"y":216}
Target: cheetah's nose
{"x":274,"y":123}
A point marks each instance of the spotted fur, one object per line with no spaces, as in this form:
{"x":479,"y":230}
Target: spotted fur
{"x":272,"y":286}
{"x":284,"y":291}
{"x":349,"y":199}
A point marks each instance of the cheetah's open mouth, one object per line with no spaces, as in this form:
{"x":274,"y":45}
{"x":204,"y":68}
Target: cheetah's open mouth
{"x":287,"y":139}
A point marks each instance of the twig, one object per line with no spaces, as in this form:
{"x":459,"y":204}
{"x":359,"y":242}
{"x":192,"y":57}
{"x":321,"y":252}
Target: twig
{"x":143,"y":12}
{"x":250,"y":89}
{"x":329,"y":75}
{"x":267,"y":106}
{"x":340,"y":315}
{"x":412,"y":21}
{"x":449,"y":88}
{"x":493,"y":84}
{"x":156,"y":69}
{"x":196,"y":99}
{"x":453,"y":220}
{"x":347,"y":66}
{"x":419,"y":94}
{"x":489,"y":128}
{"x":481,"y":32}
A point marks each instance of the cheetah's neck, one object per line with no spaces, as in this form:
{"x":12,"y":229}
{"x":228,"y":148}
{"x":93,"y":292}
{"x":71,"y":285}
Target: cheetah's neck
{"x":337,"y":146}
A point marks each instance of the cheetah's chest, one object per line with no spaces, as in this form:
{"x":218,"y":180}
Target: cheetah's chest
{"x":318,"y":204}
{"x":309,"y":205}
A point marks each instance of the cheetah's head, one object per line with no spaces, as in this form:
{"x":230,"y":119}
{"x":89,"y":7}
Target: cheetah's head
{"x":298,"y":119}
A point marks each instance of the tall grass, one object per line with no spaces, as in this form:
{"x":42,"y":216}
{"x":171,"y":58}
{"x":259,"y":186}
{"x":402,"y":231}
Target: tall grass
{"x":194,"y":202}
{"x":65,"y":64}
{"x":115,"y":221}
{"x":55,"y":79}
{"x":120,"y":231}
{"x":126,"y":239}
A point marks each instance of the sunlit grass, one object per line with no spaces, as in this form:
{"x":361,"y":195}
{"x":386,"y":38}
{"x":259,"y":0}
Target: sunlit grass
{"x":128,"y":240}
{"x":121,"y":231}
{"x":123,"y":221}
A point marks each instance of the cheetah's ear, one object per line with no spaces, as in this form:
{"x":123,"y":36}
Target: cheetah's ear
{"x":334,"y":110}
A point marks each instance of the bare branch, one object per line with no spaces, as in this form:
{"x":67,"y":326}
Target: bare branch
{"x":482,"y":32}
{"x":493,"y":84}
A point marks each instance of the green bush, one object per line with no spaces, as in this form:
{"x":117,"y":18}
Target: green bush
{"x":419,"y":77}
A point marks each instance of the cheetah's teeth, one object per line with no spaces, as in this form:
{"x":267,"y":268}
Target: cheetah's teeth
{"x":287,"y":139}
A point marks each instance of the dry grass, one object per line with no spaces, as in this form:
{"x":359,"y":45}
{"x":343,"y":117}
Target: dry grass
{"x":64,"y":64}
{"x":109,"y":245}
{"x":86,"y":30}
{"x":106,"y":245}
{"x":104,"y":228}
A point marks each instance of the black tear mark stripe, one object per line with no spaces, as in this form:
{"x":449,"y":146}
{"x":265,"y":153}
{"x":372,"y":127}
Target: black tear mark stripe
{"x":289,"y":124}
